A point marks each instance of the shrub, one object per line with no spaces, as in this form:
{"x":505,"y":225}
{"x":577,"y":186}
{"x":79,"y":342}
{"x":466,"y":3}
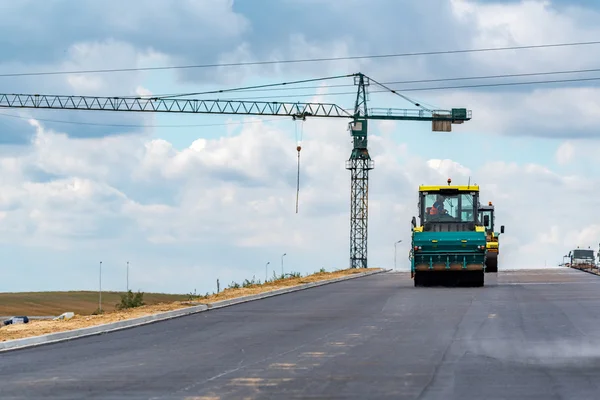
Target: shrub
{"x":251,"y":283}
{"x":131,"y":300}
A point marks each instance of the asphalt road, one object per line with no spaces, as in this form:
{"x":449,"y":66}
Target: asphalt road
{"x":526,"y":335}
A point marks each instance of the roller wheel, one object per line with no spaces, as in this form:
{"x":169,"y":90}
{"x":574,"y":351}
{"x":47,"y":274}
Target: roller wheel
{"x":420,"y":279}
{"x":491,"y":262}
{"x":449,"y":278}
{"x":477,"y":279}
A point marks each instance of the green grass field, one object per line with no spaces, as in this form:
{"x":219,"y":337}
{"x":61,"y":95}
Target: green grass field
{"x":56,"y":303}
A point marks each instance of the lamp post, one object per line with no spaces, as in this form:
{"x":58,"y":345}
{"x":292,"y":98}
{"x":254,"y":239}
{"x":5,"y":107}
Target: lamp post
{"x":128,"y":276}
{"x":284,"y":254}
{"x":267,"y":271}
{"x":395,"y":253}
{"x":100,"y":289}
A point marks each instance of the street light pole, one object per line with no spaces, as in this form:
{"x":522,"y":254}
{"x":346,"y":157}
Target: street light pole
{"x":267,"y":271}
{"x":100,"y":289}
{"x":282,"y":263}
{"x":395,"y":253}
{"x":127,"y":276}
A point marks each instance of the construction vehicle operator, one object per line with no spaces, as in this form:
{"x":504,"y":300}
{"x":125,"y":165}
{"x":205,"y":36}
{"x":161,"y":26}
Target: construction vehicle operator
{"x":438,"y":206}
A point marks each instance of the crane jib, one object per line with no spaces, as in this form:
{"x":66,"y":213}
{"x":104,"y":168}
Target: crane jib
{"x":240,"y":107}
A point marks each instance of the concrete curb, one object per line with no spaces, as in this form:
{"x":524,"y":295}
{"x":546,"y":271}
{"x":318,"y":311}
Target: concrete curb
{"x":238,"y":300}
{"x":98,"y":329}
{"x":149,"y":319}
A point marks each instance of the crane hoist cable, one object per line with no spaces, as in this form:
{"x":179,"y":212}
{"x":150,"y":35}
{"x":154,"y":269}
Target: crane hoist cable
{"x":400,"y":94}
{"x":245,"y":88}
{"x":298,"y":148}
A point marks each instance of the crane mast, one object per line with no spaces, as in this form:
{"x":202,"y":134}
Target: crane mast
{"x":359,"y":162}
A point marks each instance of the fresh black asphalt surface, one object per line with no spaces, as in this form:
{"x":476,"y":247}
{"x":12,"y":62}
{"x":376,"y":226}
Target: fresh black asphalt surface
{"x":526,"y":335}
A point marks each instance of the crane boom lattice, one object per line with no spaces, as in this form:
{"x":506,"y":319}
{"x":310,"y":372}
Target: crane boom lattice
{"x":190,"y":106}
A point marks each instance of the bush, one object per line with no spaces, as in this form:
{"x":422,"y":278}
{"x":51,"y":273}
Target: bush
{"x":131,"y":300}
{"x":251,"y":283}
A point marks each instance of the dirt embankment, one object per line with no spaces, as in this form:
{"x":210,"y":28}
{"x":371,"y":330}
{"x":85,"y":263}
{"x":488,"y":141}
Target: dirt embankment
{"x":42,"y":327}
{"x":79,"y":302}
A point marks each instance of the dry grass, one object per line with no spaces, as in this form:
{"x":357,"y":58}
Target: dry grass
{"x":41,"y":327}
{"x":81,"y":302}
{"x":227,"y":294}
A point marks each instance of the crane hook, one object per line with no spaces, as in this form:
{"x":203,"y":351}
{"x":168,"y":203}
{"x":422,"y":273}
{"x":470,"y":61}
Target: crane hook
{"x":298,"y":148}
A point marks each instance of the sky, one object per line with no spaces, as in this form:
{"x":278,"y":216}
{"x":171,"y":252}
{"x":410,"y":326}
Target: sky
{"x":189,"y":199}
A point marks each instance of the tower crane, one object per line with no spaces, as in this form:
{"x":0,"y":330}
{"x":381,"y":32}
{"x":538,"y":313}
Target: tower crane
{"x":359,"y":162}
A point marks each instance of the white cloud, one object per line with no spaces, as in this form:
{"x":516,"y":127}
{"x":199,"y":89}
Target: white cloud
{"x":216,"y":19}
{"x":448,"y":168}
{"x":296,"y":47}
{"x":540,"y":110}
{"x":568,"y":112}
{"x":565,"y":152}
{"x":500,"y":24}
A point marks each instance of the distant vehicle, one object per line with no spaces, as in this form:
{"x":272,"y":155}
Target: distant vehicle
{"x":449,"y":243}
{"x":582,"y":258}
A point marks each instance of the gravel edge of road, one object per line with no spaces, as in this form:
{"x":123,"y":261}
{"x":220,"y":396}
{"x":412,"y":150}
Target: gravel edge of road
{"x":17,"y":344}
